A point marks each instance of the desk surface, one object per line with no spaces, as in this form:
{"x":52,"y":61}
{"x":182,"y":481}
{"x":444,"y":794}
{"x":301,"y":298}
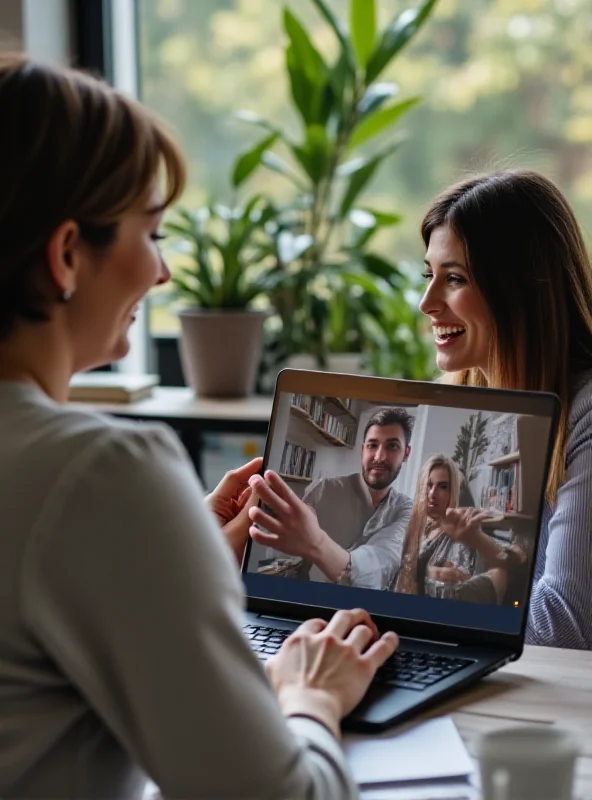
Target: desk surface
{"x":181,"y":403}
{"x":546,"y":686}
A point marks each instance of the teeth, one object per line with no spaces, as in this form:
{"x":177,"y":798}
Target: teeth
{"x":444,"y":331}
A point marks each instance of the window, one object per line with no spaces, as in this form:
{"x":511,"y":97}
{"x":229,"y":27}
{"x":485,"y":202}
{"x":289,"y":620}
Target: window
{"x":505,"y":82}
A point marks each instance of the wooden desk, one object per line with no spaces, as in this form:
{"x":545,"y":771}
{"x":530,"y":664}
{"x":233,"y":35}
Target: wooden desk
{"x":191,"y":416}
{"x":547,"y":686}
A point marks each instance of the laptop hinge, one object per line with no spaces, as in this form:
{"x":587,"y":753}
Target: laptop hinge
{"x":403,"y":638}
{"x":428,"y":641}
{"x":280,"y":619}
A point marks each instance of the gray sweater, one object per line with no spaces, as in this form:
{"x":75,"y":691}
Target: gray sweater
{"x":121,"y":651}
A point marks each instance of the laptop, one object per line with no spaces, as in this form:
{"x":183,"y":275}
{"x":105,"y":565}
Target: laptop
{"x":383,"y":501}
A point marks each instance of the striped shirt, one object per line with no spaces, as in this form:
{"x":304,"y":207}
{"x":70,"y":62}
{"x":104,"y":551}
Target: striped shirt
{"x":560,"y":612}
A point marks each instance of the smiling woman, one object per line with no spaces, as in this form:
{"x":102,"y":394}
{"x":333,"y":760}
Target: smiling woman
{"x":509,"y":295}
{"x":78,"y":245}
{"x":118,"y":582}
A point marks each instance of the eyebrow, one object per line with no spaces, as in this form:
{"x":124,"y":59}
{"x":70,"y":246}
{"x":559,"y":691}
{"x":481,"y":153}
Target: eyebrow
{"x":392,"y":439}
{"x":447,"y":264}
{"x":153,"y":210}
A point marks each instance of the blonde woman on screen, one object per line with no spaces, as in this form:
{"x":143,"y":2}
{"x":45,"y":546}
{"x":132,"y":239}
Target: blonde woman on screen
{"x":443,"y":542}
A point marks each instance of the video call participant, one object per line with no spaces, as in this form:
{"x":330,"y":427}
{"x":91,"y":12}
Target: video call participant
{"x":444,"y":541}
{"x":351,"y":527}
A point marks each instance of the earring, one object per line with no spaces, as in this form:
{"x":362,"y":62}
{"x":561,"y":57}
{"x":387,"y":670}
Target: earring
{"x":66,"y":295}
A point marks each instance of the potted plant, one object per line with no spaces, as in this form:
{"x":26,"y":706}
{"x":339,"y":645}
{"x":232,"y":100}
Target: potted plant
{"x":223,"y":269}
{"x":343,"y":107}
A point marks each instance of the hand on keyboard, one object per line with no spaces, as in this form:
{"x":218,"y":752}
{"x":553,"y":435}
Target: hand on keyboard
{"x":324,"y":668}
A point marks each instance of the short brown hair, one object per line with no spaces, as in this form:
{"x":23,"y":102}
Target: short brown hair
{"x":71,"y":147}
{"x":392,"y":416}
{"x":526,"y":255}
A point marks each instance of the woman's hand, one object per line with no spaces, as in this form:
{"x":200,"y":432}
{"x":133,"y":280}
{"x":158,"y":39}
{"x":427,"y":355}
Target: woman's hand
{"x":324,"y":668}
{"x":463,"y":525}
{"x":230,"y":503}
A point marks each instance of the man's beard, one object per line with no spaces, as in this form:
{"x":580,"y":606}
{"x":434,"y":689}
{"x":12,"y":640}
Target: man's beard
{"x":385,"y":479}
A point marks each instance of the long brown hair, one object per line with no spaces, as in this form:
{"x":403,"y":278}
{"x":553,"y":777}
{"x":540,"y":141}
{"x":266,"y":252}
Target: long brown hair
{"x":71,"y":147}
{"x":526,"y":256}
{"x":419,"y":523}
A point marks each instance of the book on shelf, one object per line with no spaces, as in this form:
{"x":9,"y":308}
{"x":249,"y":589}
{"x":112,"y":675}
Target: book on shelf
{"x":315,"y":408}
{"x":297,"y":461}
{"x":111,"y":387}
{"x":502,"y":494}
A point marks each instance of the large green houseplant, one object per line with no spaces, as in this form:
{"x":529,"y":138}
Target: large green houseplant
{"x":222,"y":270}
{"x":331,"y":299}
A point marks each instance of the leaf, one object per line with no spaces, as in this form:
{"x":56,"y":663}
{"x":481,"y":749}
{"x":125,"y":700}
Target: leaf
{"x":351,"y":166}
{"x":369,"y":283}
{"x":250,"y":160}
{"x":252,"y":118}
{"x":369,"y":222}
{"x":339,"y":31}
{"x":361,"y":177}
{"x":303,"y":91}
{"x":362,"y":26}
{"x":395,"y":37}
{"x":339,"y":76}
{"x":362,"y":218}
{"x":380,"y":120}
{"x":291,"y":247}
{"x":387,"y":270}
{"x":307,"y":58}
{"x":314,"y":155}
{"x":273,"y":162}
{"x":310,"y":78}
{"x":375,"y":96}
{"x":384,"y":218}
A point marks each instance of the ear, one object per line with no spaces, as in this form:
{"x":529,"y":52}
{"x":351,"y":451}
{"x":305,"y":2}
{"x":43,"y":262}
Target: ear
{"x":407,"y":453}
{"x":64,"y":255}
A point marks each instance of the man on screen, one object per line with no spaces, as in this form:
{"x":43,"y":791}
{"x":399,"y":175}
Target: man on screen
{"x":349,"y":529}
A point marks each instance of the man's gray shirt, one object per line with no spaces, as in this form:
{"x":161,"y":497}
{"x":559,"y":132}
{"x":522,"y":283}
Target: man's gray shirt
{"x":374,"y":535}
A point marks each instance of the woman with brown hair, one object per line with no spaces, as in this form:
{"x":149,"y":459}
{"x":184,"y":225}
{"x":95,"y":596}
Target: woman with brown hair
{"x":443,"y":542}
{"x":509,"y":296}
{"x":121,"y":638}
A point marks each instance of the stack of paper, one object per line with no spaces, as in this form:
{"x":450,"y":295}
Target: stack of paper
{"x":426,"y":762}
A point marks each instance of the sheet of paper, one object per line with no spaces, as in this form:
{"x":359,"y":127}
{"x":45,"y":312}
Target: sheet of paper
{"x":453,"y":790}
{"x":425,"y":752}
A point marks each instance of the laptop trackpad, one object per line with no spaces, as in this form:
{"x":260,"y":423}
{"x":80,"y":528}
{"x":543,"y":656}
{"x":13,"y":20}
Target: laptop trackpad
{"x":381,"y":706}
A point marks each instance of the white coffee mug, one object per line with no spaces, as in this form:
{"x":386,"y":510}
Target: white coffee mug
{"x":531,"y":762}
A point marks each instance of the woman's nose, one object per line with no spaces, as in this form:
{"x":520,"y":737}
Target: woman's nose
{"x":432,"y":301}
{"x":165,"y":273}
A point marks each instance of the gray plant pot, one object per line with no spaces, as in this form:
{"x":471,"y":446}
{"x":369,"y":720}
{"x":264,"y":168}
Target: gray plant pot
{"x":220,"y":350}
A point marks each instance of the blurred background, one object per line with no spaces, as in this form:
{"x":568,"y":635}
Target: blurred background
{"x":503,"y":82}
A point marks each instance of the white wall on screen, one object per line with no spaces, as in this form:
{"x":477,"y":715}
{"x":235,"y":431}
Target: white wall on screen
{"x":280,"y":431}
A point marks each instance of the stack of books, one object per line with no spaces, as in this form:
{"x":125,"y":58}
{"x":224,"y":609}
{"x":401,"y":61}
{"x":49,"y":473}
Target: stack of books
{"x":111,"y":387}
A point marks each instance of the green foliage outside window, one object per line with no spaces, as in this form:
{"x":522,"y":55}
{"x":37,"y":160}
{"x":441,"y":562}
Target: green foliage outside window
{"x":503,"y":82}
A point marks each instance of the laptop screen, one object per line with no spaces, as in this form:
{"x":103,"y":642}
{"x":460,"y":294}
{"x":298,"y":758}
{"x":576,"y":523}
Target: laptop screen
{"x":436,"y":507}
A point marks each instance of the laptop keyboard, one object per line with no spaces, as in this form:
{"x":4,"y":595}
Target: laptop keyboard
{"x":408,"y":669}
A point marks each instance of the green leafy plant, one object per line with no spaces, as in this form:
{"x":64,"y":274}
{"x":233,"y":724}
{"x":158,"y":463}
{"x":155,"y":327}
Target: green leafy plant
{"x":400,"y":338}
{"x":471,"y":444}
{"x":330,"y":298}
{"x":223,"y":255}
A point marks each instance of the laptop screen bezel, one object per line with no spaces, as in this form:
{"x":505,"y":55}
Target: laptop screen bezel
{"x":389,"y":390}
